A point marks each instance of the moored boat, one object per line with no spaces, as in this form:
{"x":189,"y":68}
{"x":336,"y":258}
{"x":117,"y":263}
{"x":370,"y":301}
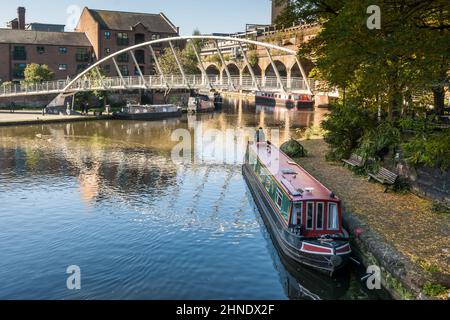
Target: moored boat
{"x":288,"y":100}
{"x":148,"y":112}
{"x":200,"y":104}
{"x":303,"y":216}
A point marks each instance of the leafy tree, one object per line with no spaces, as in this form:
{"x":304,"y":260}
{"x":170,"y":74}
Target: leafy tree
{"x":96,"y":77}
{"x":409,"y":54}
{"x":187,"y":58}
{"x":35,"y":73}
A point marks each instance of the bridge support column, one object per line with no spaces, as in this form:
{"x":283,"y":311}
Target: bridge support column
{"x":277,"y":73}
{"x":205,"y":79}
{"x":158,"y":66}
{"x":289,"y":79}
{"x":230,"y":81}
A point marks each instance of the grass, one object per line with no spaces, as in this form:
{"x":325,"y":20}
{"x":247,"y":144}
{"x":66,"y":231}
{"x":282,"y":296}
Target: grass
{"x":434,"y":290}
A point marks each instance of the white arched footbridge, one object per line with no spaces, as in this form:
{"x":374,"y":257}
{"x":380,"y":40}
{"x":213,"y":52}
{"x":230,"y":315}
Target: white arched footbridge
{"x":203,"y":81}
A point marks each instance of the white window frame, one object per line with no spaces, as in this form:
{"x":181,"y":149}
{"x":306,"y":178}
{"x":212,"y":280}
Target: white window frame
{"x":329,"y":214}
{"x":307,"y":211}
{"x":323,"y":215}
{"x":61,"y":68}
{"x":294,"y":210}
{"x":279,"y":196}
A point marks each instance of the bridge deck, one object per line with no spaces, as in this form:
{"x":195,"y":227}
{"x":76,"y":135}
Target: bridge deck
{"x":245,"y":83}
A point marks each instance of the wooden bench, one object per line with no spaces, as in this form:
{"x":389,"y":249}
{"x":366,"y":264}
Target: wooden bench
{"x":355,"y":161}
{"x":385,"y":177}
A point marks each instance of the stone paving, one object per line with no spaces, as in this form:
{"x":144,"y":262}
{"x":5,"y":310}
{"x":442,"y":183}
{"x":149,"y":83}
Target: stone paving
{"x":33,"y":116}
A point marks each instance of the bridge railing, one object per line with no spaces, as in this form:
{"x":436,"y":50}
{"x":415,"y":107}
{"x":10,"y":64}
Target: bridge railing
{"x":245,"y":82}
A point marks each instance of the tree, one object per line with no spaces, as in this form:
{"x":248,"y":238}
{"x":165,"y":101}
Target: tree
{"x":410,"y":53}
{"x":187,"y":58}
{"x":96,"y":78}
{"x":35,"y":73}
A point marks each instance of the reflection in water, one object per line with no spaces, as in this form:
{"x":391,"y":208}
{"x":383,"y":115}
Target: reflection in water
{"x":155,"y":230}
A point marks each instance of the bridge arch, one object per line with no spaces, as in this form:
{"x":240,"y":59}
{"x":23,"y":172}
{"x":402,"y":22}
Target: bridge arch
{"x":256,"y":69}
{"x":213,"y":69}
{"x":281,"y":67}
{"x":297,"y":73}
{"x":233,"y":69}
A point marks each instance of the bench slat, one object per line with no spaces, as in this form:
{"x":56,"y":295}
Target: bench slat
{"x":384,"y":176}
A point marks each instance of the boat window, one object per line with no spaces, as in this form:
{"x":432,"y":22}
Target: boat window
{"x":333,"y":217}
{"x":310,"y":216}
{"x":297,"y":214}
{"x":267,"y":183}
{"x":279,"y":198}
{"x":319,"y":215}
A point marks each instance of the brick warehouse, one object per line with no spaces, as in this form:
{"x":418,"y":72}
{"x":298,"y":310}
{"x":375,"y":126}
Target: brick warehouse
{"x":98,"y":34}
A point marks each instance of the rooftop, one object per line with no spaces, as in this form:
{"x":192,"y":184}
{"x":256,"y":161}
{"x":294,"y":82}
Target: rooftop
{"x":44,"y":38}
{"x":117,"y":20}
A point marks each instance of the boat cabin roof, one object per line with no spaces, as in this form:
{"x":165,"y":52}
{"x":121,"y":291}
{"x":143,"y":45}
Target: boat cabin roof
{"x":299,"y":184}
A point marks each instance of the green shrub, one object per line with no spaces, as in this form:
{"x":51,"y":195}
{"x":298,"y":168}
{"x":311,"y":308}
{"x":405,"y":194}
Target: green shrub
{"x":345,"y":127}
{"x":434,"y":290}
{"x":379,"y":141}
{"x":431,"y":150}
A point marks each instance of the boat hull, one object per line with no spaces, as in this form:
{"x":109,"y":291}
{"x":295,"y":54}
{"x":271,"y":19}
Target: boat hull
{"x":290,"y":104}
{"x":147,"y":116}
{"x":328,"y":264}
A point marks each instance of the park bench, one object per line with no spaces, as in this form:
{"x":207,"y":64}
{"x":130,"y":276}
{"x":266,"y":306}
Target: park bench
{"x":355,"y":161}
{"x":385,"y":177}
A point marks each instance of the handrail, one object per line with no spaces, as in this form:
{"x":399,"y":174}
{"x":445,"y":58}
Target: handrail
{"x":156,"y":82}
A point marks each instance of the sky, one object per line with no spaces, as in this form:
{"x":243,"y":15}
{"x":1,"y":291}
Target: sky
{"x":208,"y":16}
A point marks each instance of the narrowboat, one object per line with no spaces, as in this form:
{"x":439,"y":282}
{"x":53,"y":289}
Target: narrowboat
{"x":303,"y":216}
{"x":200,"y":104}
{"x":148,"y":112}
{"x":288,"y":100}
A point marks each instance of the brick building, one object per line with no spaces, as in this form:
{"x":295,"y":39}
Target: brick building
{"x":66,"y":53}
{"x":111,"y":31}
{"x":98,"y":34}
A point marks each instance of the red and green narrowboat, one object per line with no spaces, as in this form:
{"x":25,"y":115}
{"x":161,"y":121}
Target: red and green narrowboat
{"x":302,"y":215}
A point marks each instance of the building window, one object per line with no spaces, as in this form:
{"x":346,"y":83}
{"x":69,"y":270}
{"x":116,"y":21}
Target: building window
{"x":62,"y":67}
{"x":136,"y":70}
{"x":124,"y":70}
{"x":122,"y":39}
{"x":123,"y":57}
{"x":107,"y":51}
{"x":319,"y":216}
{"x":81,"y":67}
{"x":82,"y":55}
{"x":333,"y":217}
{"x":139,"y":38}
{"x":40,"y":49}
{"x":140,"y":56}
{"x":107,"y":35}
{"x":19,"y":53}
{"x":19,"y":69}
{"x":107,"y":69}
{"x":310,"y":216}
{"x":156,"y":36}
{"x":62,"y":50}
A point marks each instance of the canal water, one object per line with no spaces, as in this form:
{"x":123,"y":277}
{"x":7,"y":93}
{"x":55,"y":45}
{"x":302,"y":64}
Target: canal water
{"x":110,"y":198}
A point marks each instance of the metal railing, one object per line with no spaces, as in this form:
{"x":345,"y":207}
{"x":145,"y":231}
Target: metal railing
{"x":235,"y":83}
